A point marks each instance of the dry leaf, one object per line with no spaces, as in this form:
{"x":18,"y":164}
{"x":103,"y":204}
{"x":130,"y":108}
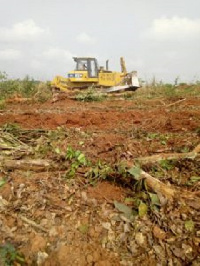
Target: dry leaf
{"x":159,"y":233}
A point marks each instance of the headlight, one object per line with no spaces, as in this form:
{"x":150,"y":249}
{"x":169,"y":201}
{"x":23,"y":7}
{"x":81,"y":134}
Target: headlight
{"x":75,"y":75}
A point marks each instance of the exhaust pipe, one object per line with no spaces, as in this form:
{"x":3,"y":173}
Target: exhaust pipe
{"x":107,"y":65}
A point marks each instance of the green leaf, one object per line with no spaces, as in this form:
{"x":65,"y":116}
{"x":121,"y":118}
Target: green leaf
{"x":166,"y":164}
{"x":127,"y":211}
{"x":135,"y":171}
{"x":129,"y":200}
{"x":142,"y":209}
{"x":154,"y":199}
{"x":77,"y":153}
{"x":2,"y":182}
{"x":189,"y":225}
{"x":81,"y":158}
{"x":195,"y":179}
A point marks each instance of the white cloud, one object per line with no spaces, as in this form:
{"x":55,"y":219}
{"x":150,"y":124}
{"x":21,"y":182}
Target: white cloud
{"x":36,"y":64}
{"x":9,"y":54}
{"x":174,"y":28}
{"x":85,"y":38}
{"x":135,"y":63}
{"x":58,"y":53}
{"x":22,"y":31}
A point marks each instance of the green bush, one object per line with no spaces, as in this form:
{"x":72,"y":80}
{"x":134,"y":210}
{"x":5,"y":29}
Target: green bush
{"x":90,"y":95}
{"x":27,"y":87}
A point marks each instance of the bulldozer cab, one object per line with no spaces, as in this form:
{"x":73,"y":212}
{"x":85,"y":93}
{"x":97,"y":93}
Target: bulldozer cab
{"x":87,"y":64}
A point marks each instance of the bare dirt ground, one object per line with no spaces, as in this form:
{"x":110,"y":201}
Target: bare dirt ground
{"x":55,"y":220}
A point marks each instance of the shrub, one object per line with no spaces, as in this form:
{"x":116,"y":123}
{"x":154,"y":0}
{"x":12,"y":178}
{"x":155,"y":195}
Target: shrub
{"x":43,"y":92}
{"x":90,"y":95}
{"x":27,"y":87}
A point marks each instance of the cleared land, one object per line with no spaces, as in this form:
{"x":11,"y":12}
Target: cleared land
{"x":79,"y":203}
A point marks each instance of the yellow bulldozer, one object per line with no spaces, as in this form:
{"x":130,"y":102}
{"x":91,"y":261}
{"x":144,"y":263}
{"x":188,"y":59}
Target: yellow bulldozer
{"x":87,"y":73}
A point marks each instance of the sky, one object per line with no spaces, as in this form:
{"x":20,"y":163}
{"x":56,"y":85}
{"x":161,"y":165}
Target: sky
{"x":157,"y":38}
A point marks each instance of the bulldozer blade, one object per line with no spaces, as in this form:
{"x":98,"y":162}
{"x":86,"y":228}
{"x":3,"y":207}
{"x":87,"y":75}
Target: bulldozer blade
{"x":121,"y":88}
{"x":117,"y":88}
{"x":134,"y":79}
{"x":131,"y":83}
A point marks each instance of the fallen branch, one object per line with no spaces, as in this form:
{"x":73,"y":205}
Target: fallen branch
{"x":32,"y":223}
{"x":169,"y":156}
{"x":28,"y":221}
{"x":33,"y":165}
{"x":158,"y":186}
{"x":169,"y":192}
{"x":179,"y":101}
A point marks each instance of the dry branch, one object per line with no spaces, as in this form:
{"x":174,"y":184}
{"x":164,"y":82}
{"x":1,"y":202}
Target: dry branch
{"x":159,"y":187}
{"x":33,"y":165}
{"x":171,"y":193}
{"x":28,"y":221}
{"x":169,"y":156}
{"x":179,"y":101}
{"x":32,"y":223}
{"x":167,"y":191}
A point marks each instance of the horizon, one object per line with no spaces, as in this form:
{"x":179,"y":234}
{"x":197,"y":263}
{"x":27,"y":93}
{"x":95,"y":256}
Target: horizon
{"x":156,"y":39}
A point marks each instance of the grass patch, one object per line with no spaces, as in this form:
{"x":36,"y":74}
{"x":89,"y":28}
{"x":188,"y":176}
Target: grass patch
{"x":168,"y":91}
{"x":10,"y":256}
